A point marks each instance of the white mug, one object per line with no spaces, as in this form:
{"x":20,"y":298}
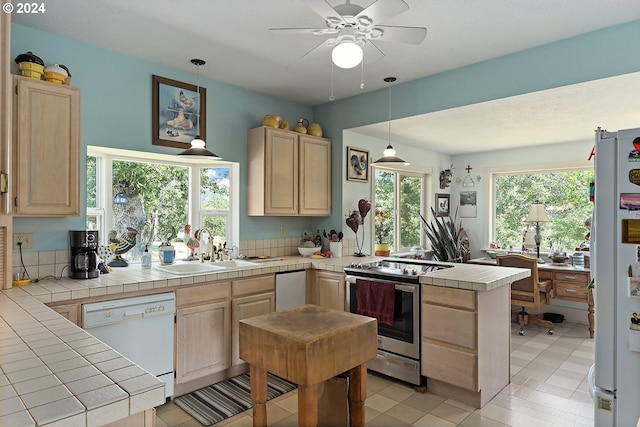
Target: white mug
{"x":336,"y":249}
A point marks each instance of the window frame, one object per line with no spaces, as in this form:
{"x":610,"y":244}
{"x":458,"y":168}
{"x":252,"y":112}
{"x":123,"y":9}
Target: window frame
{"x":106,"y":156}
{"x":424,"y":202}
{"x":580,"y":165}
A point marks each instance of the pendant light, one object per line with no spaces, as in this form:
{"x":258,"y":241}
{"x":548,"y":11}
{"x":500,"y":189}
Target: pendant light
{"x":389,"y":154}
{"x":198,"y":146}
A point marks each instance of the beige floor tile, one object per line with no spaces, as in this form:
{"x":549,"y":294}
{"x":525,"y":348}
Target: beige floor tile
{"x":405,"y":413}
{"x":433,"y":421}
{"x":450,"y":412}
{"x":476,"y":420}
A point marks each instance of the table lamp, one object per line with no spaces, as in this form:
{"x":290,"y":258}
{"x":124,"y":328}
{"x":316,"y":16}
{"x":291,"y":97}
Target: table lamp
{"x":537,"y":214}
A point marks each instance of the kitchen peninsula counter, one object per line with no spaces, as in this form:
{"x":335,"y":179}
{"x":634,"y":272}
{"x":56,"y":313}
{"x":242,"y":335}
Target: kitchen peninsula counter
{"x":29,"y":329}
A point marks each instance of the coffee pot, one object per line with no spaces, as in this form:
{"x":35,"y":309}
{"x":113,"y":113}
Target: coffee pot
{"x":84,"y":254}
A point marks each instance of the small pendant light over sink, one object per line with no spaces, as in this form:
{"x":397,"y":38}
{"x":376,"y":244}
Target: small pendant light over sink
{"x":389,"y":154}
{"x":198,"y":146}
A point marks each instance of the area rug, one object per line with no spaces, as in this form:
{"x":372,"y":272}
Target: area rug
{"x":220,"y":401}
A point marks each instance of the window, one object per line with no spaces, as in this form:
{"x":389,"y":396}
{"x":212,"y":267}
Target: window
{"x":565,"y":193}
{"x":398,"y":204}
{"x":157,"y":197}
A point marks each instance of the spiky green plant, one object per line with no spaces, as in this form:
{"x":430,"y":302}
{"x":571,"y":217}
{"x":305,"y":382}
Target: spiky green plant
{"x":445,"y":237}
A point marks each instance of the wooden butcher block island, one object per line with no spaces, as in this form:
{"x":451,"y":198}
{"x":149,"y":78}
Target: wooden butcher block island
{"x":308,"y":345}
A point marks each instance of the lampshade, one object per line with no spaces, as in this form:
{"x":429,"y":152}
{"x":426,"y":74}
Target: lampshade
{"x":537,"y":213}
{"x":198,"y":148}
{"x":389,"y":154}
{"x":346,"y":54}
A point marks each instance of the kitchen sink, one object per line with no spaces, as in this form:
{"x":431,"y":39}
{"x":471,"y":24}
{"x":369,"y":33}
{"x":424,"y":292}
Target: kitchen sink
{"x":236,"y":263}
{"x":192,"y":268}
{"x":206,"y":267}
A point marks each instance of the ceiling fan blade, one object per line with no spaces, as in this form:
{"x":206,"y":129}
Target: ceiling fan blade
{"x":321,"y":48}
{"x":324,"y":9}
{"x":372,"y":53}
{"x":383,"y":9}
{"x":411,"y":35}
{"x":304,"y":31}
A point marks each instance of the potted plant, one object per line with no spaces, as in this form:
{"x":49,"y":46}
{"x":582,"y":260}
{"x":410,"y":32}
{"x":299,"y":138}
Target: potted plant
{"x":446,"y":237}
{"x":383,"y":231}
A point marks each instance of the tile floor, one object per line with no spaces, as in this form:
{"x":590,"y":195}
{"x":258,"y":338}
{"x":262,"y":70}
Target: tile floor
{"x":548,"y":388}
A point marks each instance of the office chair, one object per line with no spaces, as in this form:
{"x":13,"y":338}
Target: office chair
{"x":528,"y":292}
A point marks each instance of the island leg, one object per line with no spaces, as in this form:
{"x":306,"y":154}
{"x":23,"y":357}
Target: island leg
{"x":307,"y":405}
{"x":258,"y":381}
{"x":357,"y":394}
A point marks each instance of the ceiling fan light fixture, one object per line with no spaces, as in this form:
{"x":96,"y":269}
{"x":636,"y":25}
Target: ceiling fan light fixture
{"x":347,"y":54}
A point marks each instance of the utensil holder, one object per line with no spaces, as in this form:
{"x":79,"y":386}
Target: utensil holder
{"x":336,"y":249}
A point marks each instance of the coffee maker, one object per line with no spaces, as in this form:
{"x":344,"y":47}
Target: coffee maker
{"x":84,"y":254}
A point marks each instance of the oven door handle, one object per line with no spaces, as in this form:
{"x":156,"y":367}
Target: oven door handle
{"x":406,"y":288}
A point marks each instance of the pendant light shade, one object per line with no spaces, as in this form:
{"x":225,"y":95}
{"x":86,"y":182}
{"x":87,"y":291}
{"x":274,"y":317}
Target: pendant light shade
{"x":389,"y":154}
{"x":198,"y":146}
{"x":347,"y":54}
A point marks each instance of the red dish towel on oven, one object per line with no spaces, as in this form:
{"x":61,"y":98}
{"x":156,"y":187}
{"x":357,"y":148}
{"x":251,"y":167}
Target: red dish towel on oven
{"x":376,"y":299}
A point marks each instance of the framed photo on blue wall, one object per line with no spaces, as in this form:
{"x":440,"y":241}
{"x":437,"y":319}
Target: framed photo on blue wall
{"x":179,"y":112}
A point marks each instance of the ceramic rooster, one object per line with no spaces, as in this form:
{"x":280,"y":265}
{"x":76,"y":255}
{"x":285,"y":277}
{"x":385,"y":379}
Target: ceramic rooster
{"x":121,"y":245}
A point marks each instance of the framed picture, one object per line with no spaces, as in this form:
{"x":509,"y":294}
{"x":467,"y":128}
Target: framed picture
{"x":468,"y":204}
{"x":442,"y":204}
{"x":179,"y":112}
{"x":357,"y":164}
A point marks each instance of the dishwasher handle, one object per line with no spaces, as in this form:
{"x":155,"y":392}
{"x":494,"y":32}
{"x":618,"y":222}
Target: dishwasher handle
{"x":136,"y":312}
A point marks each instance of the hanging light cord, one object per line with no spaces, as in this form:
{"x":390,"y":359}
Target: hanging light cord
{"x":331,"y":97}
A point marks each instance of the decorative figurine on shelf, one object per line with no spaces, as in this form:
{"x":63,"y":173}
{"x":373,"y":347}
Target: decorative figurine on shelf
{"x":121,"y":245}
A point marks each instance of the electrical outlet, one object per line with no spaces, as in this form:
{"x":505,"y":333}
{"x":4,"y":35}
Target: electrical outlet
{"x":282,"y":231}
{"x":25,"y":238}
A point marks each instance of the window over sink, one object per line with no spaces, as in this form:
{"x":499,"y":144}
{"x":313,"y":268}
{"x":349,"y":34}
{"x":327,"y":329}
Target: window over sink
{"x":158,"y":195}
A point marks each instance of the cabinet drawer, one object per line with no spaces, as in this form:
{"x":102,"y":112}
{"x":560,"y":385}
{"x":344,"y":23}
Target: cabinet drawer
{"x":570,"y":276}
{"x":449,"y":325}
{"x":203,"y":294}
{"x":453,"y":297}
{"x":450,"y":365}
{"x":571,"y":290}
{"x":253,"y":285}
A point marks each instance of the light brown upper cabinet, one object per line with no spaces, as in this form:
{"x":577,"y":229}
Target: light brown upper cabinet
{"x":46,"y":147}
{"x":288,"y":173}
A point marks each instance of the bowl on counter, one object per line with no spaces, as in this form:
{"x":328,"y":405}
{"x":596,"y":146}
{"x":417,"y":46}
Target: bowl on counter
{"x":308,"y":251}
{"x":494,"y":253}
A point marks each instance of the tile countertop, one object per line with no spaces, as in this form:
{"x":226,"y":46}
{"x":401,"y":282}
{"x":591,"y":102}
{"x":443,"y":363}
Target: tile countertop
{"x":53,"y":373}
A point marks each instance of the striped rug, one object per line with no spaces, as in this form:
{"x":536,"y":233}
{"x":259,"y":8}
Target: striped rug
{"x":220,"y":401}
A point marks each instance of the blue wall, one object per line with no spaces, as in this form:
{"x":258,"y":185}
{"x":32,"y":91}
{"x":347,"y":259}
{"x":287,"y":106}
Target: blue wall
{"x":116,"y":105}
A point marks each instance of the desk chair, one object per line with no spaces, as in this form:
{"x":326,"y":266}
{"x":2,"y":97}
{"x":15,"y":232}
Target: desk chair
{"x":529,"y":292}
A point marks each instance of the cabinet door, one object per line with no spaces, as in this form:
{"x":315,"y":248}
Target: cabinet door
{"x":315,"y":176}
{"x":281,"y":171}
{"x":330,"y":290}
{"x":69,"y":311}
{"x":245,"y":308}
{"x":203,"y":340}
{"x":47,"y":148}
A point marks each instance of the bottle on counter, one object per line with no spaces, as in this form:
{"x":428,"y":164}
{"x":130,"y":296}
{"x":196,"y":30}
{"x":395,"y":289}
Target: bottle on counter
{"x":146,"y":257}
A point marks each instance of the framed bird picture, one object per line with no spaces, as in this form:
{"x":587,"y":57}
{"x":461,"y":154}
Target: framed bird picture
{"x":357,"y":164}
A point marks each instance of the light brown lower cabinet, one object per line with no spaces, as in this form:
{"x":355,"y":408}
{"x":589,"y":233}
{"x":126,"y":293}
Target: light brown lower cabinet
{"x":245,"y":307}
{"x":327,"y":289}
{"x":203,"y":331}
{"x":465,"y":342}
{"x":207,"y":328}
{"x":69,"y":311}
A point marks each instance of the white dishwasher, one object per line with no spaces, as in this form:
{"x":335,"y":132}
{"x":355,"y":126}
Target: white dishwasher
{"x":290,"y":289}
{"x":139,"y":328}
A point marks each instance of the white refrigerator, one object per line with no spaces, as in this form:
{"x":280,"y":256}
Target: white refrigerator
{"x":615,"y":251}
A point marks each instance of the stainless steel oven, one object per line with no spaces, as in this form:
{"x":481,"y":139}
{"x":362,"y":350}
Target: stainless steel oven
{"x":399,"y":340}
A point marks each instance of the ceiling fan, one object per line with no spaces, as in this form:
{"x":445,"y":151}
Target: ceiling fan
{"x":354,"y":28}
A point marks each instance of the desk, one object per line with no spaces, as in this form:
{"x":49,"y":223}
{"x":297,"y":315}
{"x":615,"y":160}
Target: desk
{"x":308,"y":345}
{"x":569,"y":283}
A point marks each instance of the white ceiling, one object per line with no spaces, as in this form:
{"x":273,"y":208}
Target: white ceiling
{"x":233,"y":38}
